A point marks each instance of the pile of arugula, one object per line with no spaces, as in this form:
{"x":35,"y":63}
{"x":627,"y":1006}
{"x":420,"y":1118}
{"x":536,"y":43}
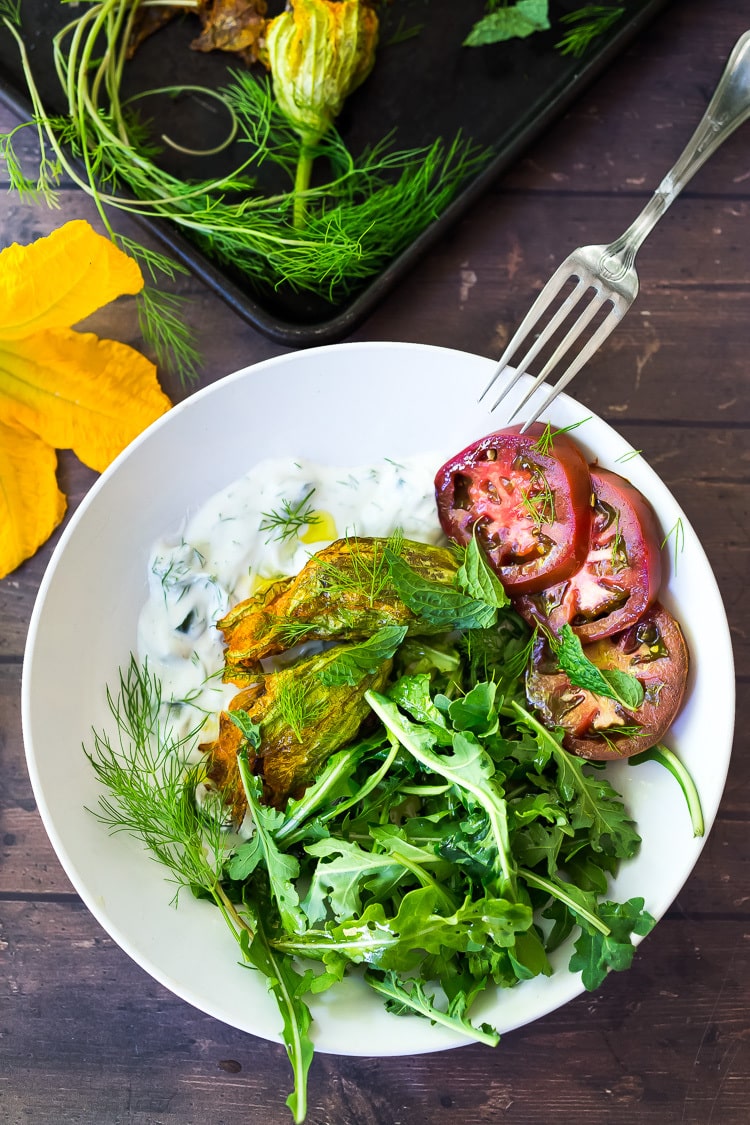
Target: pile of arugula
{"x":447,"y":852}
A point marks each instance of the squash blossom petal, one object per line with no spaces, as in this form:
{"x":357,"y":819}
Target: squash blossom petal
{"x":319,"y":51}
{"x":60,"y":388}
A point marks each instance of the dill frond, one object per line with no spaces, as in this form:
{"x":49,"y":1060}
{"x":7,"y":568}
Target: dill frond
{"x":287,"y":520}
{"x":538,"y":499}
{"x":586,"y":24}
{"x":150,"y":785}
{"x":368,"y":569}
{"x":295,"y":708}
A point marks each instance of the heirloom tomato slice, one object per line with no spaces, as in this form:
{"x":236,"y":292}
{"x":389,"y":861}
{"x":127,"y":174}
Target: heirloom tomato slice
{"x":621,"y":574}
{"x":653,"y":650}
{"x":530,"y":510}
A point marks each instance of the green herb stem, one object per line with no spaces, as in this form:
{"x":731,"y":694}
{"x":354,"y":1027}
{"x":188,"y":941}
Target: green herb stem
{"x":302,"y":184}
{"x":667,"y":758}
{"x":555,"y":890}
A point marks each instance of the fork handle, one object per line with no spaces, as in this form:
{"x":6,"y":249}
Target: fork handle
{"x":728,"y":108}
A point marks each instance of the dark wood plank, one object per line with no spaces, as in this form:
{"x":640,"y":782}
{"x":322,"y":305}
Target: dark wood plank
{"x":153,"y":1058}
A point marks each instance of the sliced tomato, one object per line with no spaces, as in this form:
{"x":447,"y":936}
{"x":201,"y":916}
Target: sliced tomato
{"x":653,"y":650}
{"x":621,"y":574}
{"x":531,"y":510}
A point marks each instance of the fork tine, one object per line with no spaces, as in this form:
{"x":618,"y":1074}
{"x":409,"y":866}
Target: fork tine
{"x":585,"y":354}
{"x":547,"y":295}
{"x":572,"y":335}
{"x":545,"y":335}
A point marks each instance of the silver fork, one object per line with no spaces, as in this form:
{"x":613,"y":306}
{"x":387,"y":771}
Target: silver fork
{"x":610,"y":270}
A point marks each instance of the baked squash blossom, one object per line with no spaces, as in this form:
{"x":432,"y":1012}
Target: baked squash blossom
{"x":59,"y":388}
{"x":319,"y":52}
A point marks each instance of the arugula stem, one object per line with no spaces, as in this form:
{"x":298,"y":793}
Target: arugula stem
{"x":557,"y":891}
{"x":667,"y":758}
{"x":418,"y":1003}
{"x":337,"y":768}
{"x":372,"y":783}
{"x":234,"y":920}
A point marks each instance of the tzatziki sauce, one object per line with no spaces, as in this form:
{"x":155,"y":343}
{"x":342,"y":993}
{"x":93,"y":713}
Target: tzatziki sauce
{"x":261,"y":527}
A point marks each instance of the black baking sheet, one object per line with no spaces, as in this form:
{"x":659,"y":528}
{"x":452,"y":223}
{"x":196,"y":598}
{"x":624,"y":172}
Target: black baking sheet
{"x":422,"y":87}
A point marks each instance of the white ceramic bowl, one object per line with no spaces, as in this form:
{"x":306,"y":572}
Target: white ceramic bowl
{"x":344,"y":404}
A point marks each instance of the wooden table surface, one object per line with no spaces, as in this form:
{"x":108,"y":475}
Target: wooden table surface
{"x":87,"y":1037}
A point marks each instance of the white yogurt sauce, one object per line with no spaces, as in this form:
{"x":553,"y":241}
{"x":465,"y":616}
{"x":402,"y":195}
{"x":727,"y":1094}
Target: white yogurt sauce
{"x":226,"y":550}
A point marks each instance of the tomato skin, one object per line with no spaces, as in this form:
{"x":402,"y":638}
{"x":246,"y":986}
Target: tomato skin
{"x":653,"y":650}
{"x":621,"y":575}
{"x":531,"y":510}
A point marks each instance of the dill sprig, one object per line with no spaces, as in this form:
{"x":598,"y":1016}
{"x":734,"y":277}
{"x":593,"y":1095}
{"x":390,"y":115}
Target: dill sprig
{"x":368,"y":570}
{"x":288,"y":520}
{"x":545,"y":443}
{"x":151,"y":782}
{"x":586,"y":24}
{"x":295,"y":708}
{"x":151,"y":795}
{"x":538,"y":499}
{"x":676,"y":535}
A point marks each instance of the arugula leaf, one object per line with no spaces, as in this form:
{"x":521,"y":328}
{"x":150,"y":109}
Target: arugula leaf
{"x":411,"y":996}
{"x":435,"y":602}
{"x":667,"y":758}
{"x":610,"y":682}
{"x":477,"y":578}
{"x":249,"y":730}
{"x":468,"y":767}
{"x":513,"y":22}
{"x":354,"y":662}
{"x":262,"y":848}
{"x":476,"y":711}
{"x":591,"y":801}
{"x":529,"y":957}
{"x":344,"y":869}
{"x":596,"y":954}
{"x":581,"y":903}
{"x":400,"y":942}
{"x":287,"y":986}
{"x":412,"y":694}
{"x":332,"y":782}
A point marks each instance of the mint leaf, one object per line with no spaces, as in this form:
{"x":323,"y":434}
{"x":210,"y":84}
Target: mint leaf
{"x":477,"y":578}
{"x":612,"y":683}
{"x":516,"y":22}
{"x":436,"y":602}
{"x":354,"y":662}
{"x":626,"y":689}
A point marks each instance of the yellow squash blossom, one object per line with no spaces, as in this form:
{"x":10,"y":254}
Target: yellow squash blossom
{"x":319,"y":52}
{"x":62,"y":389}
